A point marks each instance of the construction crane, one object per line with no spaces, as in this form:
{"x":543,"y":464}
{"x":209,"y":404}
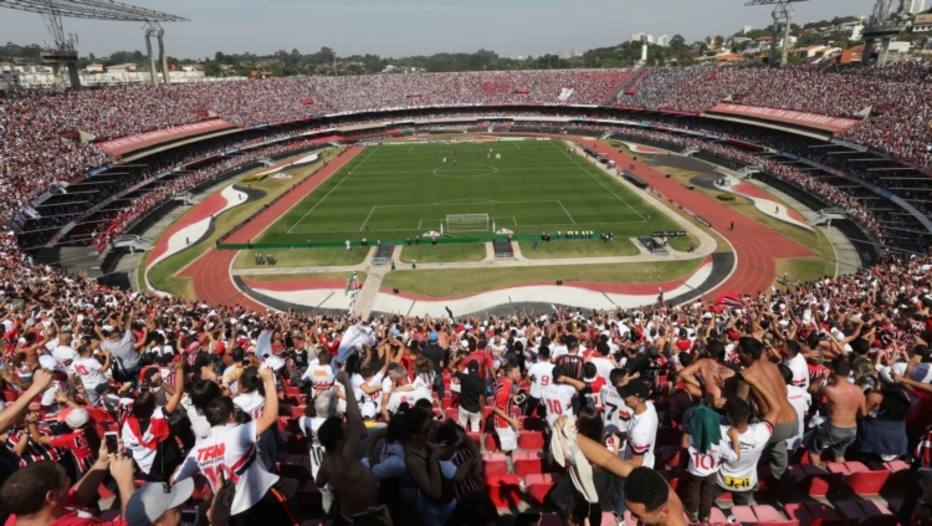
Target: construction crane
{"x":64,"y":51}
{"x":782,"y":15}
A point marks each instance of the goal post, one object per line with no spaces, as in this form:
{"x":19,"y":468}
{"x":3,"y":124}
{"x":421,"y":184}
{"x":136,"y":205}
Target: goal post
{"x":467,"y":223}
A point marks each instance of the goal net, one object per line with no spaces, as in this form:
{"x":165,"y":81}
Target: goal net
{"x":467,"y":223}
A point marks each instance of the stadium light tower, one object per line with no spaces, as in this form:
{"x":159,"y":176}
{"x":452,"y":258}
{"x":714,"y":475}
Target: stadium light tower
{"x":782,"y":14}
{"x":64,"y":51}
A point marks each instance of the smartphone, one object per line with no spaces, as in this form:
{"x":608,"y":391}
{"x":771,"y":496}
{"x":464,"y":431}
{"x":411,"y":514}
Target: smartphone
{"x":113,"y":444}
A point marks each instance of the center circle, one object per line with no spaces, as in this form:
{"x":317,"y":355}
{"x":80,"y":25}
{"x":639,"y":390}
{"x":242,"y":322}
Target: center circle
{"x":465,"y":172}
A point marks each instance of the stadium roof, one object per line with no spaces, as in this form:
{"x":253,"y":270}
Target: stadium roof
{"x":93,"y":9}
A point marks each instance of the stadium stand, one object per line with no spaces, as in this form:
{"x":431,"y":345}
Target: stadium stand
{"x":79,"y":359}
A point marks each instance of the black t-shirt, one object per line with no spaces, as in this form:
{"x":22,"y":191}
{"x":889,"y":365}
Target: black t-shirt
{"x":435,"y":354}
{"x":471,"y":388}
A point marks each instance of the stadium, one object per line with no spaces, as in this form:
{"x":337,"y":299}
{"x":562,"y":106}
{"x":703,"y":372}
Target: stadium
{"x":537,"y":284}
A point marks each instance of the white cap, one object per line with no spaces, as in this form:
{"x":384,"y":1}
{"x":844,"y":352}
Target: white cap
{"x":76,"y":418}
{"x":47,"y":361}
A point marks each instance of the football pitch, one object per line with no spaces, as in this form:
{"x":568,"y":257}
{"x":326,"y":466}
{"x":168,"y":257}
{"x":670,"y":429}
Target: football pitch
{"x":395,"y":191}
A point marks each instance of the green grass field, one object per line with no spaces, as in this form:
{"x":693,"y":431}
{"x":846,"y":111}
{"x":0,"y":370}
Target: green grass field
{"x":395,"y":191}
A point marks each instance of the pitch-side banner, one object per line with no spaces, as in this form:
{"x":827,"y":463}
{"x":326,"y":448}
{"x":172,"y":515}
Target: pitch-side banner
{"x":118,"y":147}
{"x":797,"y":118}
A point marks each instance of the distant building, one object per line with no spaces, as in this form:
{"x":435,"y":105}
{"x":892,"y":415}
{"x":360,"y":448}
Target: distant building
{"x":663,"y":40}
{"x":129,"y":66}
{"x":746,"y":29}
{"x":916,"y":6}
{"x":922,"y":23}
{"x":94,"y":68}
{"x":852,"y":54}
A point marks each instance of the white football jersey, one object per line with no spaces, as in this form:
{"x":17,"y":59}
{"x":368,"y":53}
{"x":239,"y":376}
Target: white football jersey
{"x":88,"y":370}
{"x":229,"y":453}
{"x":251,"y":403}
{"x":320,"y":376}
{"x":541,"y":374}
{"x":558,"y":401}
{"x":614,"y":410}
{"x":741,"y":474}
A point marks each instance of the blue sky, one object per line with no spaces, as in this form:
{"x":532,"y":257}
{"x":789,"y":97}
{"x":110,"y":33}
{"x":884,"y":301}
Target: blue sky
{"x":405,"y":27}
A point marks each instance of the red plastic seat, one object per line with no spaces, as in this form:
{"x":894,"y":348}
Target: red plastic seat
{"x":495,"y":464}
{"x":489,"y":442}
{"x":814,"y":480}
{"x":539,"y":486}
{"x":504,"y":490}
{"x":862,"y":480}
{"x":451,"y":412}
{"x":297,"y":411}
{"x":527,"y":462}
{"x":532,"y":440}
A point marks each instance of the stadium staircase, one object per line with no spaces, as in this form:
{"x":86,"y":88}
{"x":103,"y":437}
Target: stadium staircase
{"x":748,"y":171}
{"x":826,"y":215}
{"x":689,"y":152}
{"x":133,"y":243}
{"x":383,"y":255}
{"x":503,"y":249}
{"x":185,"y":198}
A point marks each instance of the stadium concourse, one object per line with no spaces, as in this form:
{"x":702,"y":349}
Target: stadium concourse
{"x":809,"y":405}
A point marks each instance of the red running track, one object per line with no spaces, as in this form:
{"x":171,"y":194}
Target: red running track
{"x":204,"y":209}
{"x":756,"y":247}
{"x":210,"y":273}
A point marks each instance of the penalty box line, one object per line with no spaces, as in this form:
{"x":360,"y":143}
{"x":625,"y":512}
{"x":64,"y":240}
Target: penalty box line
{"x":324,"y":198}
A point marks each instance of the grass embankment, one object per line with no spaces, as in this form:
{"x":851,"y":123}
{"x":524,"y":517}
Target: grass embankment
{"x":442,"y":253}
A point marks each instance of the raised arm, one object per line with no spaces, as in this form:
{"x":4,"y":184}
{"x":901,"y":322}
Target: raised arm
{"x":40,"y":381}
{"x":270,"y":410}
{"x":175,"y":399}
{"x":354,"y":425}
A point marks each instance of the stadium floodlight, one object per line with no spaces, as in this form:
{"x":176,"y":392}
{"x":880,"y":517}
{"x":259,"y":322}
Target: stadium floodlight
{"x":64,"y":51}
{"x":782,"y":14}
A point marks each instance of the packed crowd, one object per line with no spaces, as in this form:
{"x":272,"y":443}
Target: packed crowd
{"x":898,"y":97}
{"x":180,"y":408}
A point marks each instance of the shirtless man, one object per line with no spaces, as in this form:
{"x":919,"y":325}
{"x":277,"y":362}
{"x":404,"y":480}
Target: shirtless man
{"x":647,"y":494}
{"x":845,"y":403}
{"x":707,"y":376}
{"x":766,"y":377}
{"x":353,"y":484}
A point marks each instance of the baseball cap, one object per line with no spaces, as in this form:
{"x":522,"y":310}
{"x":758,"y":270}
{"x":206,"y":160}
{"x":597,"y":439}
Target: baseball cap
{"x":151,"y":501}
{"x":634,"y":388}
{"x":432,"y":337}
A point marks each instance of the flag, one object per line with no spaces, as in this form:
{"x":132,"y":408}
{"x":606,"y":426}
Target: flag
{"x":660,"y":296}
{"x":565,"y":94}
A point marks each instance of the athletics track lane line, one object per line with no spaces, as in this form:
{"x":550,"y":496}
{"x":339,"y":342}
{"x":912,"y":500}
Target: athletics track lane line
{"x":210,"y":274}
{"x":756,"y":247}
